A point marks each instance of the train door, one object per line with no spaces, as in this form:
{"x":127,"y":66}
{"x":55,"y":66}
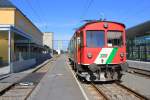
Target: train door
{"x":74,"y":49}
{"x":79,"y":45}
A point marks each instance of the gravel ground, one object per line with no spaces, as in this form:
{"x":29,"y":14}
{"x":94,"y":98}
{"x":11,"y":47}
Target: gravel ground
{"x":91,"y":93}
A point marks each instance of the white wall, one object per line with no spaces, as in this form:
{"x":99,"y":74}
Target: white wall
{"x":48,"y":39}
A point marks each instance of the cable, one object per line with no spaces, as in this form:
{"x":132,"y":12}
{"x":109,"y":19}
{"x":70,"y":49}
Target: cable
{"x":86,"y":10}
{"x":34,"y":11}
{"x":38,"y":4}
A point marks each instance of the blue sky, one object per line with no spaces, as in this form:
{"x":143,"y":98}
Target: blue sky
{"x":63,"y":16}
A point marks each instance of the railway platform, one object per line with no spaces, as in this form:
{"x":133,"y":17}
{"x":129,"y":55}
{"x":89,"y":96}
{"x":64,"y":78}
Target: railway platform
{"x":139,"y":64}
{"x":137,"y":83}
{"x":58,"y":83}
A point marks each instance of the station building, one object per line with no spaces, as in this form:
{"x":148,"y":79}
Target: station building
{"x":138,"y":42}
{"x":21,"y":42}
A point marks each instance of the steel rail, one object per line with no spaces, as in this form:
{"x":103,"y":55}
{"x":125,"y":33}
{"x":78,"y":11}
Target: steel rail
{"x":140,"y":71}
{"x":99,"y":91}
{"x":2,"y":92}
{"x":28,"y":95}
{"x":142,"y":97}
{"x":138,"y":95}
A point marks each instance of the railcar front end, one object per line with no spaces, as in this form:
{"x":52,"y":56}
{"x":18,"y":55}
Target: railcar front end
{"x":99,"y":51}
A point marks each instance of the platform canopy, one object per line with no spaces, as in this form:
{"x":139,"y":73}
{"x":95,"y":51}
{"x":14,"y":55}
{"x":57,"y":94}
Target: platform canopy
{"x":139,"y":30}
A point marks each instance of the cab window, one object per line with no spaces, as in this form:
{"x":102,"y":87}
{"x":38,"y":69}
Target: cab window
{"x":95,"y":39}
{"x":114,"y":38}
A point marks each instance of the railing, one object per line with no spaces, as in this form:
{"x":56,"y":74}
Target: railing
{"x":21,"y":56}
{"x":26,"y":55}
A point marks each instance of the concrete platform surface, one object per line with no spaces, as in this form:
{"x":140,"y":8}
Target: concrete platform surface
{"x":139,"y":64}
{"x":58,"y":83}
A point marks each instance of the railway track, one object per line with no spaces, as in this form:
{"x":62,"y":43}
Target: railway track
{"x":112,"y":91}
{"x":22,"y":89}
{"x":140,"y":72}
{"x":102,"y":95}
{"x":116,"y":91}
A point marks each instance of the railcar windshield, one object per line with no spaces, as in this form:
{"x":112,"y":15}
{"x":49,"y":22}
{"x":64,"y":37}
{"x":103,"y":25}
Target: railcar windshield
{"x":95,"y":39}
{"x":114,"y":38}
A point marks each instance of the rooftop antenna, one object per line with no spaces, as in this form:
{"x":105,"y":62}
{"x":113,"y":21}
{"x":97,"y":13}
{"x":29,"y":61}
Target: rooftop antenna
{"x":102,"y":17}
{"x":88,"y":20}
{"x":75,"y":28}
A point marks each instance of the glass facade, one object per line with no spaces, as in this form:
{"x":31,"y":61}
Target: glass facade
{"x":138,"y":48}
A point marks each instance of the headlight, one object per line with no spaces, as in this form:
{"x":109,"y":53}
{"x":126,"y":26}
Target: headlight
{"x":121,"y":54}
{"x":89,"y":55}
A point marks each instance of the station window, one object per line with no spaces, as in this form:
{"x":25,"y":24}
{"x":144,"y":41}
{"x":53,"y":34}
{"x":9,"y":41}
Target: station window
{"x":114,"y":38}
{"x":95,"y":39}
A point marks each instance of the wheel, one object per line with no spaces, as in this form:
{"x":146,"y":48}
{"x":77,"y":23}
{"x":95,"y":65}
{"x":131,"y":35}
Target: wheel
{"x":117,"y":75}
{"x":81,"y":79}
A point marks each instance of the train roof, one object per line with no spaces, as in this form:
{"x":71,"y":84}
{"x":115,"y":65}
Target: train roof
{"x":97,"y":21}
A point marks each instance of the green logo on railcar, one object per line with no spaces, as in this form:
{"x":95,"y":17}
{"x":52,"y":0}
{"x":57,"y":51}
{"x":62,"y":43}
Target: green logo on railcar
{"x":103,"y":56}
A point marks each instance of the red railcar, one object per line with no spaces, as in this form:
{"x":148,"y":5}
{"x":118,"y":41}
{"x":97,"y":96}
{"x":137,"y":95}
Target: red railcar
{"x":98,"y":51}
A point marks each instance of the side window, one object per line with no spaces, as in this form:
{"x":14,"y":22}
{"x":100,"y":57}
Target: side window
{"x":79,"y":39}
